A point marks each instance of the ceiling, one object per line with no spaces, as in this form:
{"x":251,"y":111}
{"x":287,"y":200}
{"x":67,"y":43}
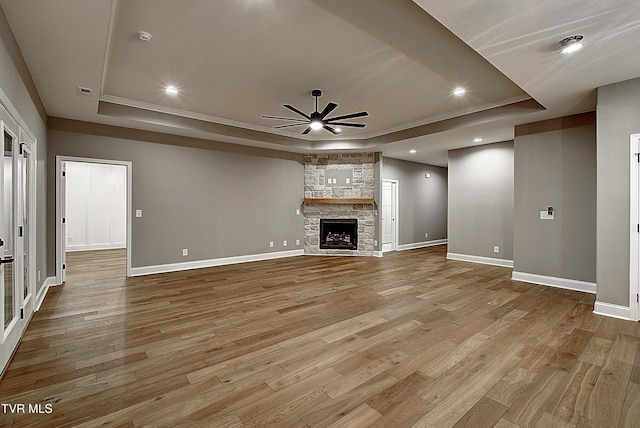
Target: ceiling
{"x":234,"y":61}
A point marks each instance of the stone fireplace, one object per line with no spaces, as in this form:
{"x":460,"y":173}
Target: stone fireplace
{"x":339,"y":190}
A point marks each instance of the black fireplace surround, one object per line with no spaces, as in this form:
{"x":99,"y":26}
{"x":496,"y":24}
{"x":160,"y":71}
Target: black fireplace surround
{"x":339,"y":234}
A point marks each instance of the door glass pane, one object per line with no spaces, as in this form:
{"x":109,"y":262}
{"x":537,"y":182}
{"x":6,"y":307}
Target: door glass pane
{"x":25,"y":220}
{"x":7,"y":232}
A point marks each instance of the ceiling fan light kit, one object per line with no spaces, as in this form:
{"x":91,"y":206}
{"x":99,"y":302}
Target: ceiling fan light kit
{"x":318,"y":120}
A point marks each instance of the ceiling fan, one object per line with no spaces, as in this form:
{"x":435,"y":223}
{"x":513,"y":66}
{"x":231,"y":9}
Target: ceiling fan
{"x":318,"y":120}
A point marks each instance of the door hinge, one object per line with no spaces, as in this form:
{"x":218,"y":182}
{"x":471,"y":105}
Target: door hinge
{"x":64,"y":266}
{"x":638,"y":157}
{"x":64,"y":173}
{"x":64,"y":220}
{"x":637,"y":298}
{"x":21,"y":313}
{"x":20,"y":232}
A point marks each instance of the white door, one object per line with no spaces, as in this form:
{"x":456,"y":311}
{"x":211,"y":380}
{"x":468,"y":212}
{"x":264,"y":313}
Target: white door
{"x":10,"y":278}
{"x":389,"y":215}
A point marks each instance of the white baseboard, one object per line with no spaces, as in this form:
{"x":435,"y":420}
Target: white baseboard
{"x":174,"y":267}
{"x":48,"y":282}
{"x":481,"y":260}
{"x":611,"y":310}
{"x":95,"y":247}
{"x":416,"y":245}
{"x":569,"y":284}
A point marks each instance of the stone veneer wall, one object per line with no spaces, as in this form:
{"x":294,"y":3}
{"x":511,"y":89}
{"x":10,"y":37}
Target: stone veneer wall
{"x":363,"y":186}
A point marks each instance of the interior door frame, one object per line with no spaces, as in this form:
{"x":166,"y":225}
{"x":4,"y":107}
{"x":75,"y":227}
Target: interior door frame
{"x":395,"y":184}
{"x":634,"y":228}
{"x":28,"y":143}
{"x":61,"y":245}
{"x":26,"y":306}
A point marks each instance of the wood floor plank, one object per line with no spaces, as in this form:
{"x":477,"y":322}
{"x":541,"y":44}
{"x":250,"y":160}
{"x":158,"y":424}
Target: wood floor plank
{"x":410,"y":339}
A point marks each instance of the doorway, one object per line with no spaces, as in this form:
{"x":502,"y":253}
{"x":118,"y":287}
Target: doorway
{"x":389,"y":215}
{"x":102,"y":218}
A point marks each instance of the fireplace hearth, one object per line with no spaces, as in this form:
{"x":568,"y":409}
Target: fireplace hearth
{"x":339,"y":234}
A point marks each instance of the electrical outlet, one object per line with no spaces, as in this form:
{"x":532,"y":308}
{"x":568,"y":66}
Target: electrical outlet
{"x":496,"y":249}
{"x":69,"y":239}
{"x":185,"y":252}
{"x":39,"y":275}
{"x":426,"y":235}
{"x":271,"y":244}
{"x":297,"y":242}
{"x":298,"y":212}
{"x":284,"y":243}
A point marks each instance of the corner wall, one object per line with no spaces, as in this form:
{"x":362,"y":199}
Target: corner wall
{"x":618,"y":116}
{"x":422,"y":201}
{"x":481,"y":204}
{"x":555,"y":166}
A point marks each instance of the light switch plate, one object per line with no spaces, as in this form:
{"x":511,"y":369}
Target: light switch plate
{"x":138,"y":213}
{"x":544,"y":215}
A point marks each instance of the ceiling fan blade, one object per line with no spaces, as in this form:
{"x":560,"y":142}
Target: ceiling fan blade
{"x":330,"y":129}
{"x":264,"y":116}
{"x":354,"y":125}
{"x":295,"y":110}
{"x":348,"y":116}
{"x":306,"y":131}
{"x":290,"y":125}
{"x":328,"y":109}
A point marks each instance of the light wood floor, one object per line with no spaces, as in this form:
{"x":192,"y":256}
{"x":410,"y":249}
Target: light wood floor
{"x":406,"y":340}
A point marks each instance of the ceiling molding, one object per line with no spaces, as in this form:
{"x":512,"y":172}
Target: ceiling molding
{"x":217,"y":129}
{"x":124,"y":133}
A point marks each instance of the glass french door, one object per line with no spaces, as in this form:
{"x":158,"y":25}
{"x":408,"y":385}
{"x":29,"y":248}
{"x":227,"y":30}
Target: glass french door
{"x":17,"y":283}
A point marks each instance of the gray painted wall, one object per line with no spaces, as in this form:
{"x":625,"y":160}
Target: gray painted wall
{"x":481,"y":201}
{"x":422,"y":202}
{"x":555,"y":165}
{"x":17,"y":86}
{"x":216,"y":203}
{"x":618,"y":116}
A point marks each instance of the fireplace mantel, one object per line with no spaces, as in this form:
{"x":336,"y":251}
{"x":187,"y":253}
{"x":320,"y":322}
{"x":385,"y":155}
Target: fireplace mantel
{"x":338,"y":201}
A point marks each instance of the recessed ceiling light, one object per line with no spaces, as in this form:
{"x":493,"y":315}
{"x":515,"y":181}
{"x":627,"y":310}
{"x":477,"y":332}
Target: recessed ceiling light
{"x":144,"y":36}
{"x":571,"y":44}
{"x":459,"y":91}
{"x":171,"y":90}
{"x":477,"y":140}
{"x":412,"y":151}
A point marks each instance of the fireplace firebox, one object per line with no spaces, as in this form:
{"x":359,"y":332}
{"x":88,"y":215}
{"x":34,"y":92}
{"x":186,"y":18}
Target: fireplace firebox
{"x":339,"y":234}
